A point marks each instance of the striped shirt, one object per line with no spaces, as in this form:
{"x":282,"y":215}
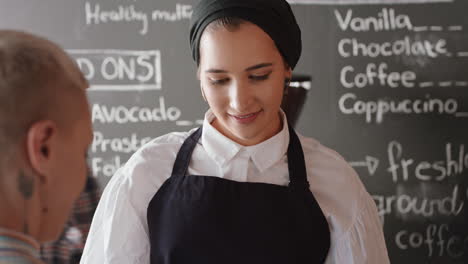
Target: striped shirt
{"x":18,"y":248}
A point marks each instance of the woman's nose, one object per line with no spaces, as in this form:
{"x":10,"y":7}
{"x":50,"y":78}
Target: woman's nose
{"x":240,"y":97}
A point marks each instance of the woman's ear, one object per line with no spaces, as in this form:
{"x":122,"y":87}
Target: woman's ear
{"x":39,"y":147}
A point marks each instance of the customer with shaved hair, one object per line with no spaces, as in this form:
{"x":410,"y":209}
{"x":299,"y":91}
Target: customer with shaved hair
{"x":45,"y":131}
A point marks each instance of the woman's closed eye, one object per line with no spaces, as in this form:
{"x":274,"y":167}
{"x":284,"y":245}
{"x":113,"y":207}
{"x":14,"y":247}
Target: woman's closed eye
{"x":259,"y":77}
{"x":252,"y":77}
{"x":220,"y":81}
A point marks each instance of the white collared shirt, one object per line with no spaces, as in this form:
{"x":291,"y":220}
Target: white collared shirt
{"x":119,"y":232}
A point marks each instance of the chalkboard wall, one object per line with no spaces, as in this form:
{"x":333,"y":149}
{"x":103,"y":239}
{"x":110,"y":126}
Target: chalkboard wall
{"x":389,"y":92}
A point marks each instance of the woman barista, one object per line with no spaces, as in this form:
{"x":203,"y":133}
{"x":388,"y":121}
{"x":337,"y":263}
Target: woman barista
{"x":244,"y":187}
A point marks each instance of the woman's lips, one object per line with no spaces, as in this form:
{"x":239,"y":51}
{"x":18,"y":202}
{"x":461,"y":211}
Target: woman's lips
{"x":246,"y":119}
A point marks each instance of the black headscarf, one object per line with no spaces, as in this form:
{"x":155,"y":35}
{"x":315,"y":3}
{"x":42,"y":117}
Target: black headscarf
{"x":275,"y":17}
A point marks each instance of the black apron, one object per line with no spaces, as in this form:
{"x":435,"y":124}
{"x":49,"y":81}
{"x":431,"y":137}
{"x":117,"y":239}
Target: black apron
{"x":211,"y":220}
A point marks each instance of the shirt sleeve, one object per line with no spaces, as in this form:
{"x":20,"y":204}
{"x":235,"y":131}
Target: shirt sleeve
{"x":119,"y":230}
{"x":118,"y":233}
{"x":364,"y":242}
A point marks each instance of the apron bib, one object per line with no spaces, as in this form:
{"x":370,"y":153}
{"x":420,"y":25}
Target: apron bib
{"x":211,"y":220}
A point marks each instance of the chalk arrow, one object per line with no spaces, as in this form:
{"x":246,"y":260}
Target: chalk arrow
{"x":371,"y":163}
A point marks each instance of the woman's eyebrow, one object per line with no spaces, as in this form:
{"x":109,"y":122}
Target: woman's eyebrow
{"x":215,"y":71}
{"x":258,"y":66}
{"x":254,"y":67}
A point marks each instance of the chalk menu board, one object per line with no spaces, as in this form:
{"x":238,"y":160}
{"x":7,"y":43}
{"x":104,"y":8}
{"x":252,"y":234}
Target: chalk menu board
{"x":389,"y":93}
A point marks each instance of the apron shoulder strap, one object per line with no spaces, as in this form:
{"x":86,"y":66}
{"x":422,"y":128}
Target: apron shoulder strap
{"x":296,"y":163}
{"x":184,"y":155}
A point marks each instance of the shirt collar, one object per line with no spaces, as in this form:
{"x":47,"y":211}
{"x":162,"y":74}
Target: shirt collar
{"x":220,"y":148}
{"x":13,"y":240}
{"x":264,"y":155}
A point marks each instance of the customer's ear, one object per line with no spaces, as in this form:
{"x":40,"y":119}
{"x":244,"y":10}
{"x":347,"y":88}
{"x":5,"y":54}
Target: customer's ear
{"x":40,"y":139}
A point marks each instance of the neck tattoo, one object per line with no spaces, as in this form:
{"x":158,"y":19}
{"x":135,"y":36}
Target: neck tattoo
{"x":26,"y":188}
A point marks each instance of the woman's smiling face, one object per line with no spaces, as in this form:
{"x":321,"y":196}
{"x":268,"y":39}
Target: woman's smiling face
{"x":243,"y":75}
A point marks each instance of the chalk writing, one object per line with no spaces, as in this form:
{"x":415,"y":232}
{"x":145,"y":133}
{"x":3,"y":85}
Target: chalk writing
{"x":426,"y":84}
{"x":455,"y":28}
{"x":385,"y":20}
{"x":95,"y":15}
{"x":189,"y":123}
{"x":122,"y":145}
{"x":348,"y":47}
{"x":120,"y":69}
{"x":105,"y":167}
{"x":437,"y":28}
{"x":436,"y":239}
{"x":401,"y":167}
{"x":375,"y":110}
{"x":371,"y":163}
{"x":135,"y":114}
{"x":376,"y":74}
{"x":461,"y":83}
{"x":421,"y":205}
{"x":181,"y":12}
